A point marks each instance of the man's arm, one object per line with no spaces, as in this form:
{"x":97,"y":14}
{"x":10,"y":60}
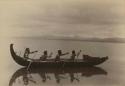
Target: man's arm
{"x":33,"y":52}
{"x":65,"y":53}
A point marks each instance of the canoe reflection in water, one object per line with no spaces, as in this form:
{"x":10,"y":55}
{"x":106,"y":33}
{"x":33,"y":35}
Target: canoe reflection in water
{"x":59,"y":74}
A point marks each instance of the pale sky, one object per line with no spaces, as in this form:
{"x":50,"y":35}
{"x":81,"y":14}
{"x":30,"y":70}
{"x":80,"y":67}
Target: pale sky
{"x":84,"y":18}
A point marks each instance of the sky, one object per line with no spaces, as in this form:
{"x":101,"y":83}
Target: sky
{"x":72,"y":18}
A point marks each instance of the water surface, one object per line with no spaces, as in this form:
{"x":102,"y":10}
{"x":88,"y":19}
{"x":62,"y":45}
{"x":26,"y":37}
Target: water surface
{"x":114,"y":67}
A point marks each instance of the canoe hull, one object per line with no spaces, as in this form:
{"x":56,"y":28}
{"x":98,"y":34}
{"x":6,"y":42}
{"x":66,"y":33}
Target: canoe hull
{"x":52,"y":63}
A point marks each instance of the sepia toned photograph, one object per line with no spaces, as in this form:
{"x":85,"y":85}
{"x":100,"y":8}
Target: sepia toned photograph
{"x":62,"y":42}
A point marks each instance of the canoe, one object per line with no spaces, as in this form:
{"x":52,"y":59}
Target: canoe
{"x":52,"y":63}
{"x":83,"y":71}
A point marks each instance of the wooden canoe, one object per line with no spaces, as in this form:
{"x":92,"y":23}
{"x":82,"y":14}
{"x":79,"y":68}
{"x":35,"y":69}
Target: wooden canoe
{"x":52,"y":63}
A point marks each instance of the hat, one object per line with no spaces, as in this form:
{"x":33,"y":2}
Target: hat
{"x":73,"y":51}
{"x":45,"y":52}
{"x":59,"y":51}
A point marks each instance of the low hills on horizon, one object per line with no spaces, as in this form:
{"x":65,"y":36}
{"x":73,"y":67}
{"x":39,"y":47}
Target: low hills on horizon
{"x":89,"y":39}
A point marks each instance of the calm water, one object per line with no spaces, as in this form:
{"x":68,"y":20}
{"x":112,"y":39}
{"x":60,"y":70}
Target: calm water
{"x":110,"y":73}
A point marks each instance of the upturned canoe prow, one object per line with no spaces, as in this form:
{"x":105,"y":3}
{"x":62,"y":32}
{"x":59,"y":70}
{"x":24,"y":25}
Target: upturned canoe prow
{"x":52,"y":63}
{"x":19,"y":60}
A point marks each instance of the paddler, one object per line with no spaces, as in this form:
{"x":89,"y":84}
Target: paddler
{"x":74,"y":55}
{"x":45,"y":55}
{"x":27,"y":52}
{"x":60,"y":54}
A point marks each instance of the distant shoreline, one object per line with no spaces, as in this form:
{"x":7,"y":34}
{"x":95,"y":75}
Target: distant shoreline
{"x":108,"y":40}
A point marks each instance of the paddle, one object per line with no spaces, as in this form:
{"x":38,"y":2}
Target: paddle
{"x":78,"y":53}
{"x":50,"y":54}
{"x":62,"y":55}
{"x":78,"y":56}
{"x":29,"y":66}
{"x":30,"y":63}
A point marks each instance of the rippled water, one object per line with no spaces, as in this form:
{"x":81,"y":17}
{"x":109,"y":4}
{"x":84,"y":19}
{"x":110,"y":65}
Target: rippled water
{"x":110,"y":73}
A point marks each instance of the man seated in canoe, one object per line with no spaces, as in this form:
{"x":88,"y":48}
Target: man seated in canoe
{"x":27,"y":52}
{"x":45,"y":56}
{"x":60,"y":54}
{"x":74,"y":55}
